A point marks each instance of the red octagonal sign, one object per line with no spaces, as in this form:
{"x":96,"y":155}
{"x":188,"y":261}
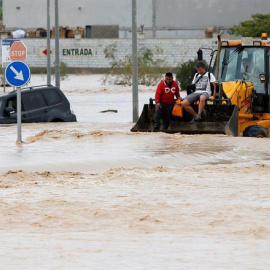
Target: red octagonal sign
{"x":18,"y":51}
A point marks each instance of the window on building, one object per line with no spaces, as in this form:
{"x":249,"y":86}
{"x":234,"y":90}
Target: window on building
{"x":88,"y":31}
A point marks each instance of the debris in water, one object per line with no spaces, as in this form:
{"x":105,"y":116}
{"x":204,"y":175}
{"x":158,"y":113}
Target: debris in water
{"x":114,"y":111}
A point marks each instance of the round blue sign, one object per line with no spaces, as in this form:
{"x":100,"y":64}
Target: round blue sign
{"x":17,"y":73}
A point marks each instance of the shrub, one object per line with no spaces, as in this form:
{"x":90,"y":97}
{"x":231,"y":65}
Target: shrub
{"x":149,"y":67}
{"x":185,"y":73}
{"x":62,"y":71}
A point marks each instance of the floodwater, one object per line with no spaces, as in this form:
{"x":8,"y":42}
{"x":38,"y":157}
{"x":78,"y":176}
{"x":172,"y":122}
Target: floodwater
{"x":93,"y":195}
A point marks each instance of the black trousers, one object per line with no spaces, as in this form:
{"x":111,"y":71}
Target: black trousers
{"x":164,"y":113}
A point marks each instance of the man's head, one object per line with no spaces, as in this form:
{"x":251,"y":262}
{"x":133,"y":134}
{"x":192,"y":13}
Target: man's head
{"x":169,"y":78}
{"x":246,"y":64}
{"x":201,"y":67}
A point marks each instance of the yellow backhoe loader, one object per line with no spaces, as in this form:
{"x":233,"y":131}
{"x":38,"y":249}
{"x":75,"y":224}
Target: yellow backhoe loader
{"x":242,"y":106}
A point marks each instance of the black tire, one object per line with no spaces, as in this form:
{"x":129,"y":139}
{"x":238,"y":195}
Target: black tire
{"x":255,"y":131}
{"x":57,"y":120}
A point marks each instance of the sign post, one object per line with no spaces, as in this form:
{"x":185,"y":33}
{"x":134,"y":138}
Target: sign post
{"x":18,"y":74}
{"x":19,"y":115}
{"x":48,"y":44}
{"x":57,"y":59}
{"x":135,"y":95}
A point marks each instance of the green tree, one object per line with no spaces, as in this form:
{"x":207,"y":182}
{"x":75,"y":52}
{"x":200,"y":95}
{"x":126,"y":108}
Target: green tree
{"x":1,"y":10}
{"x":252,"y":28}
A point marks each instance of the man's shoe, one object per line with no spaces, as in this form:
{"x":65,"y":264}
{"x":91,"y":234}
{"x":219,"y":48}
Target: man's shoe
{"x":195,"y":119}
{"x":198,"y":118}
{"x":156,"y":129}
{"x":192,"y":121}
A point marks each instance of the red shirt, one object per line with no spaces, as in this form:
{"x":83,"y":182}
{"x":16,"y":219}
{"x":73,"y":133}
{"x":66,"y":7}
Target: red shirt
{"x":165,"y":93}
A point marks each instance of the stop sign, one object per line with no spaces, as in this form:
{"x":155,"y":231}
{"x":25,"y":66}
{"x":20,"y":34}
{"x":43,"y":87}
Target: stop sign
{"x":18,"y":51}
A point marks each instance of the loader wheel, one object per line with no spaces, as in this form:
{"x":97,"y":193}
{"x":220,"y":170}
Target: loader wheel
{"x":255,"y":131}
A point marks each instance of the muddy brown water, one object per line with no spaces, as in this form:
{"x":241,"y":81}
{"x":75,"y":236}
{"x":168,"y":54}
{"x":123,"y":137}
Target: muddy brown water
{"x":93,"y":195}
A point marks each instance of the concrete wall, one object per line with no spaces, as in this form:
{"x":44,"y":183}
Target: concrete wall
{"x":89,"y":53}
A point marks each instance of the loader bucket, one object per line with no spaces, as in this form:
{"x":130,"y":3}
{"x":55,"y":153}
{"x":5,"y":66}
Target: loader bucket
{"x":217,"y":119}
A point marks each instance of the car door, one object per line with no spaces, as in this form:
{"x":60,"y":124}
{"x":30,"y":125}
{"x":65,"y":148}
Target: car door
{"x":35,"y":108}
{"x":9,"y":103}
{"x":57,"y":103}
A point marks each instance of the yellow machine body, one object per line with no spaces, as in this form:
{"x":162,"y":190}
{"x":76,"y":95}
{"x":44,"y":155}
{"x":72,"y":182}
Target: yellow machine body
{"x":242,"y":105}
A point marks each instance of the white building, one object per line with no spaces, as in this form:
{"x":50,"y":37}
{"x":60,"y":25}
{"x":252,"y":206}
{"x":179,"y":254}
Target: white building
{"x":157,"y":18}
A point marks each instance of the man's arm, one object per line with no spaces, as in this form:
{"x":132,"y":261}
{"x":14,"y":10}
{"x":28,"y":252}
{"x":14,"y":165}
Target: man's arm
{"x":177,"y":90}
{"x":213,"y":82}
{"x":194,"y":78}
{"x":158,"y":96}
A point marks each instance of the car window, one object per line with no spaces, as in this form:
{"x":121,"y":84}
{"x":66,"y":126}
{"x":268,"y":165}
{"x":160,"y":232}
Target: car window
{"x":33,"y":100}
{"x":52,"y":96}
{"x":12,"y":102}
{"x":1,"y":102}
{"x":40,"y":99}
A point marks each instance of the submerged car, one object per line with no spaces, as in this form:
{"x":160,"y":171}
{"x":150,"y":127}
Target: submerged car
{"x":44,"y":103}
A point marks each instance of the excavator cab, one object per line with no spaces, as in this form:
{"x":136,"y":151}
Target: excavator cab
{"x":243,"y":75}
{"x":242,"y":105}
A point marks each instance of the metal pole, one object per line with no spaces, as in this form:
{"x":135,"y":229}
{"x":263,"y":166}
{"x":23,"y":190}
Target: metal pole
{"x":134,"y":64}
{"x":48,"y":44}
{"x":57,"y":73}
{"x":19,"y":115}
{"x":154,"y":18}
{"x":4,"y":84}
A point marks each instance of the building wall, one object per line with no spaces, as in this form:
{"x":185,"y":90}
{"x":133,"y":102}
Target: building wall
{"x":89,"y":53}
{"x":104,"y":31}
{"x":74,"y":13}
{"x":190,"y":14}
{"x":170,"y":18}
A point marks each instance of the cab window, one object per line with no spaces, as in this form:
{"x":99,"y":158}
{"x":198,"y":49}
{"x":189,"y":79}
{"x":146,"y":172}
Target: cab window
{"x":236,"y":61}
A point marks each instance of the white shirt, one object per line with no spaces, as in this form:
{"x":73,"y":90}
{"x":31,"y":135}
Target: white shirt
{"x":203,"y":85}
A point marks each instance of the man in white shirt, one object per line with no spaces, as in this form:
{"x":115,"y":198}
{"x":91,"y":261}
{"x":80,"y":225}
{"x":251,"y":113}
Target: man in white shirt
{"x":202,"y":81}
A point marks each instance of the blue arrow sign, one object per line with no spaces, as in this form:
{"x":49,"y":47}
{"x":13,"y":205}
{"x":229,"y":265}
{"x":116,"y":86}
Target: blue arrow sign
{"x":17,"y":73}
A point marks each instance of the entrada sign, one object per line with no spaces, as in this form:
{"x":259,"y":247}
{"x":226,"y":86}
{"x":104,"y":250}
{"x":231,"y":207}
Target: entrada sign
{"x":77,"y":52}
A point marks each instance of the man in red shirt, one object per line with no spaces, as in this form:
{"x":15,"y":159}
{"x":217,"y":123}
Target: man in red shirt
{"x":166,"y":90}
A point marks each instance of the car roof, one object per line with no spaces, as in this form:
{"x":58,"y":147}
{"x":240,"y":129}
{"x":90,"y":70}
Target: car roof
{"x":36,"y":87}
